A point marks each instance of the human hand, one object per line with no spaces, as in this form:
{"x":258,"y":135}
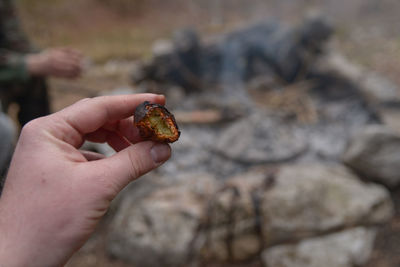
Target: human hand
{"x":55,"y":194}
{"x":57,"y":62}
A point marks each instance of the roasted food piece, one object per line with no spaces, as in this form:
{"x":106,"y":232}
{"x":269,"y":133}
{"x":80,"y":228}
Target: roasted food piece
{"x":156,"y":123}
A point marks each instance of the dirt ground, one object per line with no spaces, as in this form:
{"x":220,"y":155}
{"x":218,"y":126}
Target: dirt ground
{"x":113,"y":33}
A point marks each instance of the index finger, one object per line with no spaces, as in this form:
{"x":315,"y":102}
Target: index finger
{"x":71,"y":51}
{"x":90,"y":114}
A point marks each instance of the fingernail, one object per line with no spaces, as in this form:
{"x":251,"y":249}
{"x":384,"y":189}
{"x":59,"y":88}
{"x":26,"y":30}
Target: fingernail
{"x":161,"y":98}
{"x":160,"y":152}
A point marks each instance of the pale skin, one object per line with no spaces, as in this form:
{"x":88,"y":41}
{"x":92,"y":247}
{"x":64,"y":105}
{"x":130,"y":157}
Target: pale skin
{"x":56,"y":62}
{"x":55,"y":194}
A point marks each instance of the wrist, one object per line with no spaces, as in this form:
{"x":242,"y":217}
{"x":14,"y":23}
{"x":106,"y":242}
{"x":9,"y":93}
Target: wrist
{"x":9,"y":256}
{"x":18,"y":246}
{"x":23,"y":243}
{"x":35,"y":64}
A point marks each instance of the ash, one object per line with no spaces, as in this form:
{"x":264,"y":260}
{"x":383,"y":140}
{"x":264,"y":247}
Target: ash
{"x":279,"y":95}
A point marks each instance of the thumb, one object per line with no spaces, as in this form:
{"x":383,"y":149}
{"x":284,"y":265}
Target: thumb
{"x":132,"y":162}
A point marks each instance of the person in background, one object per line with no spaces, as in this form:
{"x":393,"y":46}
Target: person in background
{"x":8,"y":134}
{"x":23,"y":68}
{"x":55,"y":194}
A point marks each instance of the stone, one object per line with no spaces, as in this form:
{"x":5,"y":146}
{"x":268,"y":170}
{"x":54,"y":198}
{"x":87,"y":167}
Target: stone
{"x":162,"y":47}
{"x":342,"y":109}
{"x":269,"y":206}
{"x":192,"y":216}
{"x":374,"y":153}
{"x":311,"y":199}
{"x":299,"y":124}
{"x":347,"y":248}
{"x":261,"y":139}
{"x":195,"y":152}
{"x":158,"y":230}
{"x":233,"y":225}
{"x":380,"y":88}
{"x":376,"y":86}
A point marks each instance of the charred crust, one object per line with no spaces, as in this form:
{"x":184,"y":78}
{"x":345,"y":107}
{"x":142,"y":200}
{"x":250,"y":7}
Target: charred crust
{"x":149,"y":130}
{"x":141,"y":111}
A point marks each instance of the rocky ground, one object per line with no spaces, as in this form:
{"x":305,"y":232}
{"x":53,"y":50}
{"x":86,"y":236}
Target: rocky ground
{"x":385,"y":251}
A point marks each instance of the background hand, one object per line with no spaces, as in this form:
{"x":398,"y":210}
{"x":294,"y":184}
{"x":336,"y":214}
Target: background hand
{"x":55,"y":194}
{"x":57,"y":62}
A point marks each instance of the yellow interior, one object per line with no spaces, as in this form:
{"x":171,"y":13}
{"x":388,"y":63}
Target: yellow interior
{"x":159,"y":124}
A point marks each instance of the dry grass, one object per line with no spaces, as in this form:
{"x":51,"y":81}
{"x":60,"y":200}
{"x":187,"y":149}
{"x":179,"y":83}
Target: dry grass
{"x":126,"y":29}
{"x":99,"y":31}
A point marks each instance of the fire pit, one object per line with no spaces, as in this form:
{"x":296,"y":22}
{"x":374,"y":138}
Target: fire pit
{"x":257,"y":169}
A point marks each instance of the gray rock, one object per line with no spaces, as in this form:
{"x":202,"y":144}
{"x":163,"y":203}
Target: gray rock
{"x":341,"y":110}
{"x":264,"y":207}
{"x":307,"y":200}
{"x":162,"y":47}
{"x":375,"y":154}
{"x":233,"y":220}
{"x":347,"y":248}
{"x":270,"y":137}
{"x":194,"y":152}
{"x":378,"y":87}
{"x":261,"y":139}
{"x":192,"y":214}
{"x":158,"y":229}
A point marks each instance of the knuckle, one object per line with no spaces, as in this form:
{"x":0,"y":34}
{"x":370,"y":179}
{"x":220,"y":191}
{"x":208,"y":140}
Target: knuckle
{"x":32,"y":127}
{"x":101,"y":98}
{"x":84,"y":100}
{"x":135,"y":166}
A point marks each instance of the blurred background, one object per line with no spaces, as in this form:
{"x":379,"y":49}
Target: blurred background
{"x":123,"y":30}
{"x":357,"y":78}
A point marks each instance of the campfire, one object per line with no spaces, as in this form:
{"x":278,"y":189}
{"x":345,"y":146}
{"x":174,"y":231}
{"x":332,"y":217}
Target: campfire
{"x":266,"y":116}
{"x":259,"y":95}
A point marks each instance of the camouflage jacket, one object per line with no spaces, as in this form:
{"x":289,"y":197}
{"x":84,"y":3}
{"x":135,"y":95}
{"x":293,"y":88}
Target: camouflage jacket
{"x":13,"y":45}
